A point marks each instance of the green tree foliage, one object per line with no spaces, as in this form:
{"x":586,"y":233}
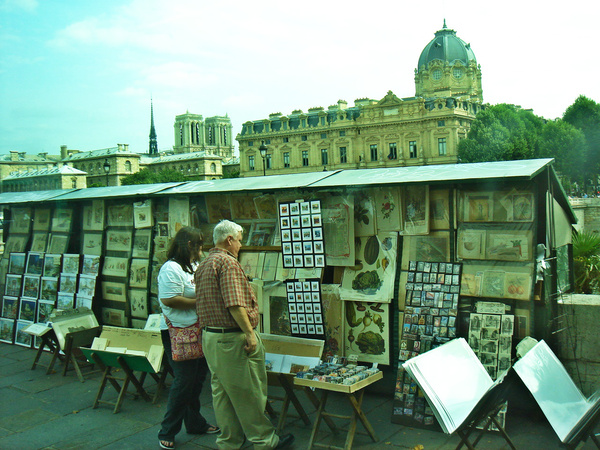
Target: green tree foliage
{"x":146,"y":176}
{"x":586,"y":262}
{"x":567,"y":144}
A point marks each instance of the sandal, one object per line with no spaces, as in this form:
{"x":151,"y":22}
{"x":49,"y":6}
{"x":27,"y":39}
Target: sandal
{"x":212,"y":429}
{"x":169,"y":445}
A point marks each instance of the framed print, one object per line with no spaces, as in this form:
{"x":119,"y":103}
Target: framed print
{"x":10,"y":307}
{"x":523,"y":207}
{"x":471,"y":243}
{"x":68,"y":283}
{"x":120,"y":215}
{"x":87,"y":285}
{"x":261,"y":234}
{"x":509,"y":245}
{"x":71,"y":263}
{"x":51,"y":264}
{"x":45,"y":308}
{"x":243,"y":207}
{"x":83,"y":301}
{"x":21,"y":338}
{"x":20,"y":220}
{"x":138,"y":273}
{"x":141,"y":243}
{"x":118,"y":240}
{"x":93,"y":216}
{"x":90,"y":265}
{"x":138,"y":303}
{"x":163,"y":229}
{"x":41,"y":219}
{"x":16,"y":243}
{"x":13,"y":285}
{"x":416,"y":209}
{"x":338,"y":224}
{"x":65,"y":300}
{"x":27,"y":309}
{"x":142,"y":214}
{"x":39,"y":242}
{"x":270,"y":266}
{"x":91,"y":243}
{"x":16,"y":263}
{"x":31,"y":286}
{"x":266,"y":206}
{"x":113,"y":316}
{"x":114,"y":291}
{"x":61,"y":220}
{"x":35,"y":263}
{"x":439,"y":209}
{"x":218,"y":207}
{"x":58,"y":243}
{"x":387,"y":208}
{"x":49,"y":289}
{"x":478,"y":207}
{"x":369,"y":339}
{"x":179,"y":214}
{"x":364,"y":215}
{"x":115,"y":266}
{"x":434,"y":247}
{"x":249,"y":263}
{"x":7,"y":330}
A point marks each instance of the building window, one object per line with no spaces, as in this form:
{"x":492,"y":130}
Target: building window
{"x":305,"y":158}
{"x":441,"y":123}
{"x":393,"y":151}
{"x":213,"y":168}
{"x":303,"y":123}
{"x":324,"y":159}
{"x":251,"y":162}
{"x":250,"y":143}
{"x":286,"y":159}
{"x":412,"y":149}
{"x":128,"y":166}
{"x":286,"y":140}
{"x":373,"y":148}
{"x":343,"y":155}
{"x":304,"y":137}
{"x":267,"y":141}
{"x":322,"y":120}
{"x":323,"y":135}
{"x":442,"y":146}
{"x":342,"y":132}
{"x":268,"y":161}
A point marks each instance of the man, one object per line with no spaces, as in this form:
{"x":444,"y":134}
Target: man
{"x":234,"y":352}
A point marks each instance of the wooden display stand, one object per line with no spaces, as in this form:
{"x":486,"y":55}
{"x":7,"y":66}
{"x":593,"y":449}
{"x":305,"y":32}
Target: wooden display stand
{"x":49,"y":340}
{"x":355,"y":401}
{"x":131,"y":350}
{"x":292,"y":346}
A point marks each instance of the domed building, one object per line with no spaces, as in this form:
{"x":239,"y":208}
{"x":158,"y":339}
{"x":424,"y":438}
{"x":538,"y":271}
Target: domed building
{"x":389,"y":132}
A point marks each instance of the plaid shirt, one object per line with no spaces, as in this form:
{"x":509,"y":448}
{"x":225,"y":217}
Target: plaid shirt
{"x":221,"y":283}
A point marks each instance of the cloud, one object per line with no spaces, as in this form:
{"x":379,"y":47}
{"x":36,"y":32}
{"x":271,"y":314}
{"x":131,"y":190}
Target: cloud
{"x":19,"y":5}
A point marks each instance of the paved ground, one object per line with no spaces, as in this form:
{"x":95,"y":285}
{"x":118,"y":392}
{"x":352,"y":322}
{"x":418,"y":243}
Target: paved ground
{"x":39,"y":411}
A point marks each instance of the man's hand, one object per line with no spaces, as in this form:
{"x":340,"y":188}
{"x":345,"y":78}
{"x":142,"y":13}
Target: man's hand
{"x":250,"y":342}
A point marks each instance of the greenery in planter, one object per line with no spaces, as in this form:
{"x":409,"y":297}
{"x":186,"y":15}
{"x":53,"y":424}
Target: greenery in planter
{"x":586,"y":262}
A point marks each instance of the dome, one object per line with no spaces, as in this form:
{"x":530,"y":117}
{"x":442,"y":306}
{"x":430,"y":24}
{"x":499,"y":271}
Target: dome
{"x":448,"y":48}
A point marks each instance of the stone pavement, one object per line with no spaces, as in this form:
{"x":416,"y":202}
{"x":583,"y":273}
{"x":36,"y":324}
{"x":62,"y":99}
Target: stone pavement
{"x":39,"y":411}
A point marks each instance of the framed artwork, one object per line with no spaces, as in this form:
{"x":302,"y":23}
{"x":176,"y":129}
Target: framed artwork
{"x":58,"y":243}
{"x":478,"y":207}
{"x":83,"y":301}
{"x":118,"y":240}
{"x":68,"y":283}
{"x":61,"y":220}
{"x":113,"y":316}
{"x":87,"y":285}
{"x":49,"y":289}
{"x":31,"y":286}
{"x":120,"y":215}
{"x":266,"y":206}
{"x":179,"y":214}
{"x":142,"y":214}
{"x":51,"y":264}
{"x":93,"y":216}
{"x":138,"y":273}
{"x":16,"y":243}
{"x":45,"y":308}
{"x":416,"y":209}
{"x":115,"y":266}
{"x":7,"y":330}
{"x":270,"y":266}
{"x":141,"y":243}
{"x":242,"y":207}
{"x":13,"y":285}
{"x":41,"y":219}
{"x":218,"y":208}
{"x":333,"y":319}
{"x":432,"y":247}
{"x":509,"y":245}
{"x":27,"y":310}
{"x":114,"y":291}
{"x":364,"y":215}
{"x":21,"y":338}
{"x":523,"y":207}
{"x":138,"y":303}
{"x":471,"y":243}
{"x":388,"y":209}
{"x":91,"y":243}
{"x":20,"y":220}
{"x":16,"y":263}
{"x":163,"y":229}
{"x":249,"y":263}
{"x":65,"y":300}
{"x":261,"y":234}
{"x":439,"y":209}
{"x":90,"y":265}
{"x":39,"y":242}
{"x":276,"y":314}
{"x":10,"y":307}
{"x":71,"y":263}
{"x":367,"y":331}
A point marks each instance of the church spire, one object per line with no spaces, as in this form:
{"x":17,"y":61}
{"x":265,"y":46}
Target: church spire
{"x":153,"y":147}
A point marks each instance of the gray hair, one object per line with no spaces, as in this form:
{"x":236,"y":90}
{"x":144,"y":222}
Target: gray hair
{"x":224,"y":229}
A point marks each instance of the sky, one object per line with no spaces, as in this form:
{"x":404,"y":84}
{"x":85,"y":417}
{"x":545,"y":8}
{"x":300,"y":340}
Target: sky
{"x":83,"y":73}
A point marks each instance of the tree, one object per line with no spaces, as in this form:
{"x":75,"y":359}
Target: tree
{"x":567,"y":144}
{"x":145,"y":176}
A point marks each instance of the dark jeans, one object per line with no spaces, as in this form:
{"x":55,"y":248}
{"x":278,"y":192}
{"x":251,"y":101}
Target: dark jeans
{"x":184,"y":395}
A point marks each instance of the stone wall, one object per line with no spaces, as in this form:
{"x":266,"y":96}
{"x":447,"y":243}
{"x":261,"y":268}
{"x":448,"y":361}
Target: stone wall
{"x":587,"y":211}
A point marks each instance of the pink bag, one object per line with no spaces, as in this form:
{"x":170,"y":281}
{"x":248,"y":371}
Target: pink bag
{"x":186,"y":342}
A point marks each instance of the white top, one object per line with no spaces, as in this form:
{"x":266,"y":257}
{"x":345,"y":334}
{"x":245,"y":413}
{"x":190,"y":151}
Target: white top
{"x":174,"y":281}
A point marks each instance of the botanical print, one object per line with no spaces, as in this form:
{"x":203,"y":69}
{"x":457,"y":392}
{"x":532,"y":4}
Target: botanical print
{"x":118,"y":240}
{"x":142,"y":214}
{"x":90,"y":265}
{"x":31,"y":286}
{"x":367,"y":331}
{"x":141,"y":243}
{"x":522,"y":207}
{"x":478,"y":207}
{"x":120,"y":215}
{"x":518,"y":286}
{"x":91,"y":244}
{"x":372,"y":278}
{"x":364,"y":215}
{"x":416,"y":209}
{"x":16,"y":263}
{"x":61,"y":220}
{"x":49,"y":289}
{"x":39,"y":242}
{"x":138,"y":273}
{"x":58,"y":243}
{"x":20,"y":220}
{"x":509,"y":245}
{"x":242,"y":207}
{"x":338,"y":226}
{"x":266,"y":206}
{"x":114,"y":291}
{"x":387,"y":208}
{"x":52,"y":264}
{"x":179,"y":214}
{"x":218,"y":208}
{"x":471,"y":244}
{"x":115,"y":266}
{"x":439,"y":204}
{"x":138,"y":303}
{"x":71,"y":263}
{"x":493,"y":283}
{"x":41,"y":219}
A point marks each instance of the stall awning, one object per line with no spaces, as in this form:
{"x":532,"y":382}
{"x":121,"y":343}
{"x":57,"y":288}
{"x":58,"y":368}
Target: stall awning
{"x":118,"y":191}
{"x":8,"y":198}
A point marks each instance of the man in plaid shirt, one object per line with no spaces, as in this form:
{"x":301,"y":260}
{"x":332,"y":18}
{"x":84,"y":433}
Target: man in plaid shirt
{"x":228,"y":314}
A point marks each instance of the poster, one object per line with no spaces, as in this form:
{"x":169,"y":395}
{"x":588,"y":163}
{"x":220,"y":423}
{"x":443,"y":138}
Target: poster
{"x":416,"y":209}
{"x":338,"y":227}
{"x":367,"y":331}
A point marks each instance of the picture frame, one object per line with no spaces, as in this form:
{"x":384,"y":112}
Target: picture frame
{"x":138,"y":273}
{"x":10,"y":307}
{"x":115,"y":266}
{"x":21,"y":338}
{"x":415,"y":213}
{"x":12,"y":287}
{"x":16,"y":264}
{"x":113,"y":316}
{"x":118,"y":240}
{"x":70,"y":263}
{"x":39,"y":242}
{"x":16,"y":243}
{"x":45,"y":309}
{"x":114,"y":291}
{"x":41,"y":219}
{"x":218,"y":207}
{"x":243,"y":207}
{"x":58,"y":243}
{"x":27,"y":309}
{"x":68,"y":283}
{"x":120,"y":215}
{"x":261,"y":234}
{"x":65,"y":300}
{"x":52,"y":264}
{"x":31,"y":286}
{"x":478,"y":207}
{"x":523,"y":207}
{"x":93,"y":216}
{"x":35,"y":263}
{"x":20,"y":220}
{"x":141,"y":243}
{"x":266,"y":206}
{"x":83,"y":301}
{"x":142,"y":214}
{"x":86,"y":285}
{"x":439,"y":209}
{"x":138,"y":303}
{"x":7,"y":330}
{"x":61,"y":220}
{"x":90,"y":265}
{"x":49,"y":289}
{"x":91,"y":243}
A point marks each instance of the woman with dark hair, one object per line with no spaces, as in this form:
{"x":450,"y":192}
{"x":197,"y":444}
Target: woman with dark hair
{"x":177,"y":296}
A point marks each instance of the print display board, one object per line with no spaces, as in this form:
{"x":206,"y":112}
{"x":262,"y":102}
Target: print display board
{"x":305,"y":308}
{"x":301,"y":226}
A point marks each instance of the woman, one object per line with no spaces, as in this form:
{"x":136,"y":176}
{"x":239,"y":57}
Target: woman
{"x":178,"y":301}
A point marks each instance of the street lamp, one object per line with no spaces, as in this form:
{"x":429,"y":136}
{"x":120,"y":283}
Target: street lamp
{"x":263,"y":153}
{"x":106,"y":169}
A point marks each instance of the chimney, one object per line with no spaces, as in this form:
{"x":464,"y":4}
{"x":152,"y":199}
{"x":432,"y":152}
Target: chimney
{"x":126,"y":147}
{"x":63,"y":151}
{"x":119,"y":147}
{"x":43,"y":155}
{"x":342,"y":104}
{"x":14,"y":155}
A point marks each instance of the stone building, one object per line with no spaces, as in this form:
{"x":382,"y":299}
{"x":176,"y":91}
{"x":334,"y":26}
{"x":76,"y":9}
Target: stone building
{"x":58,"y":177}
{"x":212,"y":135}
{"x":419,"y":130}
